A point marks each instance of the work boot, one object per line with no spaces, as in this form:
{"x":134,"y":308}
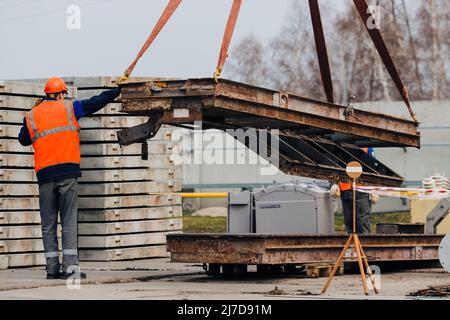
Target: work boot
{"x":53,"y":276}
{"x":74,"y":275}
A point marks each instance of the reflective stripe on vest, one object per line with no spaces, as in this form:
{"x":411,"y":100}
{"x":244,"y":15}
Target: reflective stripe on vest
{"x":70,"y":127}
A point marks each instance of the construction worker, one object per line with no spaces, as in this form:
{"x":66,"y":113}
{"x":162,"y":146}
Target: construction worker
{"x":53,"y":130}
{"x":363,"y":202}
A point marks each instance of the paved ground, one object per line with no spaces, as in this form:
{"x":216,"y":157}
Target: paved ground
{"x":159,"y":279}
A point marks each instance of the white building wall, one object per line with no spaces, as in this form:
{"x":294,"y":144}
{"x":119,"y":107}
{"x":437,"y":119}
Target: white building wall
{"x":411,"y":163}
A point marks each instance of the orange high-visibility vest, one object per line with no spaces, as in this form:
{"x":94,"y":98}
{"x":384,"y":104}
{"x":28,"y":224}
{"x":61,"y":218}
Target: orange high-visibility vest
{"x":54,"y":133}
{"x":344,"y":186}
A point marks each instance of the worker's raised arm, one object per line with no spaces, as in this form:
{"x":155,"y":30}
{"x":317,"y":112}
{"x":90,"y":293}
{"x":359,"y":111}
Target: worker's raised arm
{"x":89,"y":106}
{"x":24,"y":135}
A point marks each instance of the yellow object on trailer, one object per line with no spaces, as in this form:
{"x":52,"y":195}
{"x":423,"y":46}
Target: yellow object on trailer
{"x":420,"y":208}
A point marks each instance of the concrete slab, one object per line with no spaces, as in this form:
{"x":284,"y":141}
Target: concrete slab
{"x":141,"y":252}
{"x":129,"y":214}
{"x":93,"y":162}
{"x":28,"y":88}
{"x":125,"y":240}
{"x":96,"y":203}
{"x":115,"y":228}
{"x":107,"y":175}
{"x":98,"y":189}
{"x":155,"y":147}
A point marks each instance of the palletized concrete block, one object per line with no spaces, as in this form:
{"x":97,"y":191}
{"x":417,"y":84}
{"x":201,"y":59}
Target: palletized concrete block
{"x":123,"y":188}
{"x":107,"y":175}
{"x":3,"y":262}
{"x":155,"y":147}
{"x":106,"y":121}
{"x":128,"y":201}
{"x":25,"y":260}
{"x":114,"y":108}
{"x":19,"y":189}
{"x":109,"y":149}
{"x":17,"y":103}
{"x":17,"y":175}
{"x":97,"y":189}
{"x":13,"y":145}
{"x":113,"y":175}
{"x":86,"y":134}
{"x":125,"y":240}
{"x":10,"y":131}
{"x":16,"y":160}
{"x":33,"y":217}
{"x":29,"y":88}
{"x":158,"y":251}
{"x":30,"y":203}
{"x":156,"y":162}
{"x":19,"y":217}
{"x":12,"y":116}
{"x":96,"y":203}
{"x":110,"y":135}
{"x":110,"y":228}
{"x":25,"y":103}
{"x":129,"y":214}
{"x":23,"y":245}
{"x":22,"y":232}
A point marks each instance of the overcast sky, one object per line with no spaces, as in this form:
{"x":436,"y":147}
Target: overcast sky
{"x":35,"y":41}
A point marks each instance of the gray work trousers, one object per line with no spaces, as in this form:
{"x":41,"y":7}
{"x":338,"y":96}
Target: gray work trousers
{"x":363,"y":210}
{"x":59,"y":196}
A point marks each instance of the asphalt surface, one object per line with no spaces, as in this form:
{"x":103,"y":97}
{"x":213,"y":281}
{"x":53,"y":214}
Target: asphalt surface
{"x":160,"y":279}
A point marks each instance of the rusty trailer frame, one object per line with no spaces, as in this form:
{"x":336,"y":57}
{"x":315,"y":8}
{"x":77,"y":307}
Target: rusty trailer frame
{"x":237,"y":104}
{"x":316,"y":139}
{"x":297,"y":249}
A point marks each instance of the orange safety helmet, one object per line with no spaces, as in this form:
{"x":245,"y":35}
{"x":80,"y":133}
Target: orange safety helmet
{"x":55,"y":85}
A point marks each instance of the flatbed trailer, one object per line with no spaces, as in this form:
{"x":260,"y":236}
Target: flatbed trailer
{"x":238,"y":251}
{"x":316,"y":139}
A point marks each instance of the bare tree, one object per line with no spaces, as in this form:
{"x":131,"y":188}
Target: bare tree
{"x":420,"y":51}
{"x":247,"y":64}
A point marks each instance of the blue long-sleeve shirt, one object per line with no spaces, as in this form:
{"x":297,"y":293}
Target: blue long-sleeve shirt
{"x":81,"y":109}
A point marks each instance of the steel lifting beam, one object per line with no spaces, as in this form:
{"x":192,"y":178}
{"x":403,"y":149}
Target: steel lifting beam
{"x":249,"y":106}
{"x":316,"y":138}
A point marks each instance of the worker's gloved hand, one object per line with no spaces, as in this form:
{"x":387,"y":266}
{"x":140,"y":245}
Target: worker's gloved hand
{"x":374,"y":198}
{"x":124,"y":77}
{"x":334,"y":191}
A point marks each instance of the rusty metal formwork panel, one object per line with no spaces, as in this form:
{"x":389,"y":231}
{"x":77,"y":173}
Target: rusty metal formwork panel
{"x":317,"y":139}
{"x":255,"y":249}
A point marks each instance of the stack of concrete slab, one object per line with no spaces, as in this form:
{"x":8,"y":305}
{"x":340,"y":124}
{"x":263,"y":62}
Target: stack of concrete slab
{"x":118,"y":218}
